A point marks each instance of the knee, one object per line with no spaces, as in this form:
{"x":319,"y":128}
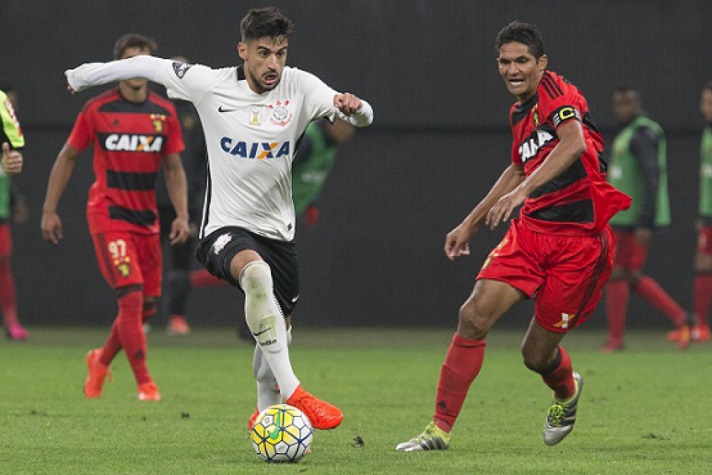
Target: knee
{"x":474,"y":319}
{"x":537,"y":359}
{"x":256,"y":279}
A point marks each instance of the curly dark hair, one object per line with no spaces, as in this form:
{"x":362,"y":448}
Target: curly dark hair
{"x":133,"y":40}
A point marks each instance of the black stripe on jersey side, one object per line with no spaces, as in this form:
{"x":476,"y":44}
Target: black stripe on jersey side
{"x":574,"y":212}
{"x":206,"y":205}
{"x":141,"y":217}
{"x":588,"y":122}
{"x":131,"y":181}
{"x":121,"y":106}
{"x":600,"y":264}
{"x":549,"y":81}
{"x":547,"y":88}
{"x":571,"y":175}
{"x":240,"y":71}
{"x":523,"y":109}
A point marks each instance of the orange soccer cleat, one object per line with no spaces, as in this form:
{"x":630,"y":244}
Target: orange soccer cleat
{"x":177,"y":325}
{"x":97,"y":373}
{"x":253,"y":418}
{"x":321,"y":414}
{"x":148,"y":392}
{"x":684,"y":336}
{"x":701,"y":333}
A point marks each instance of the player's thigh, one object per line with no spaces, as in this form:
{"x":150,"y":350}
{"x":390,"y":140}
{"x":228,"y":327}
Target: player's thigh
{"x":282,"y":259}
{"x":574,"y":283}
{"x":703,"y":256}
{"x":150,"y":261}
{"x":118,"y":259}
{"x":630,"y":255}
{"x":489,"y":300}
{"x":5,"y":241}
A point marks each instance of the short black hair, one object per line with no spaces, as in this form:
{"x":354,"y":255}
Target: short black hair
{"x":134,"y":40}
{"x":267,"y":22}
{"x":627,"y":89}
{"x":524,"y":33}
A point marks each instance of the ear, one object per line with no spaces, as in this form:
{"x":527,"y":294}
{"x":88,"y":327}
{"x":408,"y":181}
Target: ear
{"x":543,"y":62}
{"x":242,"y":50}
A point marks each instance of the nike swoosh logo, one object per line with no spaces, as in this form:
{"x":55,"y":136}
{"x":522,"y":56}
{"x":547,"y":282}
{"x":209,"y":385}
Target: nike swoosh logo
{"x":263,"y":331}
{"x":222,"y":109}
{"x":294,"y":299}
{"x":274,"y":433}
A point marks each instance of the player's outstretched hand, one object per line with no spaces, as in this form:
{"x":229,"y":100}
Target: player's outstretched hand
{"x":347,"y":103}
{"x":457,"y":241}
{"x":180,"y":231}
{"x":11,"y":160}
{"x":67,"y":73}
{"x":51,"y":227}
{"x":503,"y":208}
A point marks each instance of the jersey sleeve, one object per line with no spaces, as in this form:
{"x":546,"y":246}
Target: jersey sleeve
{"x":82,"y":133}
{"x":11,"y":130}
{"x":174,"y":140}
{"x":564,"y":108}
{"x":188,"y":82}
{"x":319,"y":98}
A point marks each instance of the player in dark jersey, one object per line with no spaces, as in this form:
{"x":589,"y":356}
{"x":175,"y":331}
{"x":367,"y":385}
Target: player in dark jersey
{"x":559,"y":251}
{"x":134,"y":131}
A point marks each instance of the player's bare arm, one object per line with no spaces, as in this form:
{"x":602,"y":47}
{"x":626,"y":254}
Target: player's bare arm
{"x":51,"y":224}
{"x":457,"y":241}
{"x":569,"y":149}
{"x":11,"y":160}
{"x":177,"y":186}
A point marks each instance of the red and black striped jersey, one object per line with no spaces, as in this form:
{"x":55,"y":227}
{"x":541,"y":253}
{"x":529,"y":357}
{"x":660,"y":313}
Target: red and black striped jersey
{"x":579,"y":200}
{"x":130,"y":139}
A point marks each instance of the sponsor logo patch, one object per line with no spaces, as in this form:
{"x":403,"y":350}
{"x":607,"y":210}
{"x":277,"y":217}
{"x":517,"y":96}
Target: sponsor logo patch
{"x":181,"y":68}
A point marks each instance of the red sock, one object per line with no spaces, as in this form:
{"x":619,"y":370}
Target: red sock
{"x":703,"y":297}
{"x":202,"y":278}
{"x":653,"y":293}
{"x":131,"y":334}
{"x":462,"y":365}
{"x":617,"y":296}
{"x":561,"y":380}
{"x":8,"y":299}
{"x":112,"y":346}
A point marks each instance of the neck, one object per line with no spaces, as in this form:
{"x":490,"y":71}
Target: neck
{"x":133,"y":93}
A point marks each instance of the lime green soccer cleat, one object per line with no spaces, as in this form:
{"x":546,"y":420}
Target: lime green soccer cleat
{"x":561,"y":416}
{"x":432,"y":438}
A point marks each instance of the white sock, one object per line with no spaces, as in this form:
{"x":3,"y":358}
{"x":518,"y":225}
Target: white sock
{"x":267,"y":390}
{"x":265,"y":320}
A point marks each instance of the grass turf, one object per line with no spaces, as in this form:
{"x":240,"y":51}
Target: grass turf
{"x":645,"y":410}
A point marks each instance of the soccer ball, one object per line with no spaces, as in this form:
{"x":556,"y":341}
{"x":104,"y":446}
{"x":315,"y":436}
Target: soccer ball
{"x":281,"y":433}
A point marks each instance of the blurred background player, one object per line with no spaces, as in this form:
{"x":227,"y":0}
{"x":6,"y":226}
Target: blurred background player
{"x":253,"y":115}
{"x":314,"y":161}
{"x":181,"y":257}
{"x":638,"y":167}
{"x":12,"y":206}
{"x":133,"y":131}
{"x":702,"y":295}
{"x":557,"y":252}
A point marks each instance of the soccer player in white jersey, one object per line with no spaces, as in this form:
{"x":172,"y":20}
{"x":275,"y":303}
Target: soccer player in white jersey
{"x":253,"y":116}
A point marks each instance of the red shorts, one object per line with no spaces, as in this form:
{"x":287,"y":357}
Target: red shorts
{"x":567,"y":273}
{"x":5,"y":240}
{"x":630,"y":254}
{"x":127,"y":258}
{"x":704,"y":241}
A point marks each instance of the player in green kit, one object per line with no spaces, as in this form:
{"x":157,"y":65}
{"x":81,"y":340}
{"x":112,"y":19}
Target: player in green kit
{"x":12,"y":141}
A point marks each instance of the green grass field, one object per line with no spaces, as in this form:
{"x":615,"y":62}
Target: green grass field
{"x":645,"y":410}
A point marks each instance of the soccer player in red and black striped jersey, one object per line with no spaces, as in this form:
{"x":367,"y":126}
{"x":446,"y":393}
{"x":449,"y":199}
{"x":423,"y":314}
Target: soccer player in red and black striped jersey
{"x":134,"y":131}
{"x":558,"y":252}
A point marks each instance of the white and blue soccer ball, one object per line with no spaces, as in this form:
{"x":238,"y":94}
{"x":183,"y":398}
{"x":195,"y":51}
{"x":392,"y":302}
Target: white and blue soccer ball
{"x":281,"y":433}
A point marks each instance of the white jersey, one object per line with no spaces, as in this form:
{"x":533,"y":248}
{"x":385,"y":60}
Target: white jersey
{"x":251,"y":140}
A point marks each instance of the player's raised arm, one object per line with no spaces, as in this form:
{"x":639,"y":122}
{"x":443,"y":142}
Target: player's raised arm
{"x":95,"y":74}
{"x":354,"y":110}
